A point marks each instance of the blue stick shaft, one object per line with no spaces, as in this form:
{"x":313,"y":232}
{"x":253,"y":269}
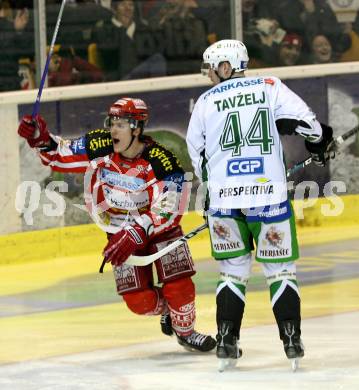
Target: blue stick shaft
{"x":36,"y":107}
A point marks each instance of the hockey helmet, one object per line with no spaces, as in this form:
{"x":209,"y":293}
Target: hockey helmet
{"x":135,"y":110}
{"x":230,"y":50}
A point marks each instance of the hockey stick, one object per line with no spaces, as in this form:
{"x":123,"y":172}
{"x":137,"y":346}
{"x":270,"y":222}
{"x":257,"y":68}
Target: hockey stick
{"x":35,"y":109}
{"x":339,"y":140}
{"x":145,"y":260}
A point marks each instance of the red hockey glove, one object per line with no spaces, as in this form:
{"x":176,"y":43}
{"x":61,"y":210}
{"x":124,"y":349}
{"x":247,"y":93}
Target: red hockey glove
{"x":122,"y":244}
{"x":34,"y":130}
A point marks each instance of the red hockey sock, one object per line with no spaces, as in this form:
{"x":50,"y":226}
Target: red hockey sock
{"x":180,"y":296}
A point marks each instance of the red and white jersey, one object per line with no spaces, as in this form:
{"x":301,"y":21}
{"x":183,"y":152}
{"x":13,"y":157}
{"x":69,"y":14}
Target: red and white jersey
{"x":147,"y":190}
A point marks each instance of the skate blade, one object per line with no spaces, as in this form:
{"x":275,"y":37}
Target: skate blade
{"x":225,"y":364}
{"x":189,"y":349}
{"x":295,"y":364}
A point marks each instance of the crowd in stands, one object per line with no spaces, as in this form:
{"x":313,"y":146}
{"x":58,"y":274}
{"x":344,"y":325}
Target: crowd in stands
{"x":104,"y":40}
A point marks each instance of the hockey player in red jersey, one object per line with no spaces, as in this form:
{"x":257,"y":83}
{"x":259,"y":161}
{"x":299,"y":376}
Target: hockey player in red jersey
{"x":136,"y":191}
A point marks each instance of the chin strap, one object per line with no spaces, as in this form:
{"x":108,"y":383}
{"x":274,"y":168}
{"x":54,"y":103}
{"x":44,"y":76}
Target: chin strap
{"x":133,"y":125}
{"x":131,"y":142}
{"x":223,"y":79}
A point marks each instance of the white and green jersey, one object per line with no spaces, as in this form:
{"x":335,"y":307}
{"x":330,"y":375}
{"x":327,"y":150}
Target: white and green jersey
{"x":234,"y":143}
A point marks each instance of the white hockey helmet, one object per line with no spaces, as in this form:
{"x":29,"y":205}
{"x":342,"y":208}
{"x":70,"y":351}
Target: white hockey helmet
{"x":231,"y":50}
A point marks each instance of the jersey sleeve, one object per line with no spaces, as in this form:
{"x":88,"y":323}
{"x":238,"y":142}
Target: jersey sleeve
{"x":196,"y":139}
{"x":291,"y":113}
{"x":168,"y":192}
{"x":68,"y":156}
{"x":73,"y":156}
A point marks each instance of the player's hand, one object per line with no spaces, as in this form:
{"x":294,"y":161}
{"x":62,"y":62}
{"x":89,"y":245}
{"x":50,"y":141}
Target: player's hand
{"x":34,"y":130}
{"x":122,"y":244}
{"x":324,"y":150}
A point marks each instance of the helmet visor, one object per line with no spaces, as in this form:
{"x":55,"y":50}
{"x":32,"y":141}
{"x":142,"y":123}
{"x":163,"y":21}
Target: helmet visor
{"x":110,"y":119}
{"x":107,"y":123}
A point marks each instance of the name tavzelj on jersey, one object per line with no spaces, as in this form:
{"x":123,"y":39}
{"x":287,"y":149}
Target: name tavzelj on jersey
{"x":239,"y":100}
{"x":245,"y":190}
{"x":233,"y":85}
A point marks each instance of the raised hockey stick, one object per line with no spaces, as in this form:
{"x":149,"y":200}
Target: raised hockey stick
{"x":36,"y":107}
{"x":339,"y":140}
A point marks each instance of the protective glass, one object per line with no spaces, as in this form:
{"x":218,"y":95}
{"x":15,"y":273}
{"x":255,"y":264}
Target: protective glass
{"x":205,"y":68}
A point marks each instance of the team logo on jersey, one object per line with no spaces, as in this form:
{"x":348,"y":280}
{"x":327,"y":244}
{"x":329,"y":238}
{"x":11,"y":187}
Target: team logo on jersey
{"x":262,"y":180}
{"x":221,"y":231}
{"x":245,"y":166}
{"x":274,"y":237}
{"x":123,"y":181}
{"x":78,"y":146}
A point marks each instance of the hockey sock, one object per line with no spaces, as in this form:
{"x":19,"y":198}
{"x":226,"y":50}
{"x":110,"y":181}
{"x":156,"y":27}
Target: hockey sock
{"x":180,"y":296}
{"x":285,"y":301}
{"x":230,"y":301}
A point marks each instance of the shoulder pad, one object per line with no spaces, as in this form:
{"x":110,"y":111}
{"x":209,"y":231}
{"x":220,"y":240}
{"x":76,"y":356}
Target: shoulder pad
{"x":164,"y":163}
{"x":98,"y":143}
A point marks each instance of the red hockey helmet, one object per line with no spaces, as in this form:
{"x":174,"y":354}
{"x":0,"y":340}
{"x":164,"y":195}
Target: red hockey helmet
{"x":135,"y":110}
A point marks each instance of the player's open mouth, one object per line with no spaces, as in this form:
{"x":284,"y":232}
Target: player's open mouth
{"x":115,"y":141}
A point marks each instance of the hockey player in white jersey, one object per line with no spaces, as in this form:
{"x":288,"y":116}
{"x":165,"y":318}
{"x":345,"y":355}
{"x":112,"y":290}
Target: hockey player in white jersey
{"x":234,"y":142}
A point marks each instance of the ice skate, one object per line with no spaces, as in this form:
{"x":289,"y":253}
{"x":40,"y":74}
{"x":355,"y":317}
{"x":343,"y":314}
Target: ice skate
{"x":197,"y":342}
{"x":227,"y":346}
{"x":166,"y":324}
{"x":293,"y":346}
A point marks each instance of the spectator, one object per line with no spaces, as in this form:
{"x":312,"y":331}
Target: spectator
{"x":286,"y":52}
{"x":78,"y":21}
{"x":127,"y":45}
{"x":309,"y":18}
{"x":290,"y":50}
{"x":182,"y":35}
{"x":261,"y":32}
{"x":27,"y":74}
{"x":322,"y":51}
{"x":352,"y":54}
{"x":65,"y":68}
{"x":12,"y":45}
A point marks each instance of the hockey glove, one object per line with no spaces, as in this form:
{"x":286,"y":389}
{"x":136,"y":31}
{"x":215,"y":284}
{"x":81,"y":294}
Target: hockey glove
{"x":34,"y":130}
{"x":323,"y":150}
{"x":124,"y":243}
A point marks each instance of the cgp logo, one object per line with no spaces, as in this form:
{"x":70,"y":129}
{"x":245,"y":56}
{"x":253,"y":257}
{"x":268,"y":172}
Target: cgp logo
{"x":245,"y":166}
